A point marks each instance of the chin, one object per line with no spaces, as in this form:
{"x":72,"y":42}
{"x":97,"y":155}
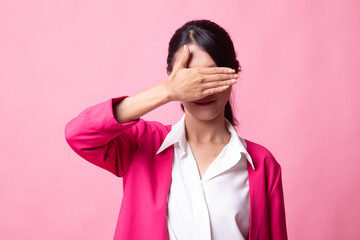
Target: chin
{"x":206,"y":109}
{"x":204,"y":115}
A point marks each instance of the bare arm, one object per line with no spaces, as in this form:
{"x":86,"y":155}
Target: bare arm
{"x":183,"y":84}
{"x":133,"y":107}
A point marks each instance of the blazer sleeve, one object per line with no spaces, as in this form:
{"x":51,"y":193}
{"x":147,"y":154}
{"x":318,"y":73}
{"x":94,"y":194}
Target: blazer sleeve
{"x":276,"y":206}
{"x":96,"y":136}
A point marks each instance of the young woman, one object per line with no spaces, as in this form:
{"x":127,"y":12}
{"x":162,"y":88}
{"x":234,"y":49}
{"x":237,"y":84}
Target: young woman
{"x":196,"y":179}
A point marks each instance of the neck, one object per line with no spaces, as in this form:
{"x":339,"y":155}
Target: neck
{"x":213,"y":131}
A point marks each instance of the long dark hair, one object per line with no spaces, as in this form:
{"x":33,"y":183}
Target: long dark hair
{"x":214,"y":40}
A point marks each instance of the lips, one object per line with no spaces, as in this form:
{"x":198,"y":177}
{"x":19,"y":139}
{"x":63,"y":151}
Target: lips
{"x":204,"y":102}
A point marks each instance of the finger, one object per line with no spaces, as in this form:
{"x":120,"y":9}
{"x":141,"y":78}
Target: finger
{"x":184,"y":59}
{"x":218,"y":77}
{"x":216,"y":84}
{"x":215,"y":70}
{"x":212,"y":91}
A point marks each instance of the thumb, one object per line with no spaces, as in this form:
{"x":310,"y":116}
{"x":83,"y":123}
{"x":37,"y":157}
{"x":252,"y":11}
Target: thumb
{"x":183,"y":61}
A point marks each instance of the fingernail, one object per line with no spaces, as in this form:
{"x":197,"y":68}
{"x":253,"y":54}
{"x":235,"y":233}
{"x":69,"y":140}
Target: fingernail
{"x":231,"y":70}
{"x":185,"y":47}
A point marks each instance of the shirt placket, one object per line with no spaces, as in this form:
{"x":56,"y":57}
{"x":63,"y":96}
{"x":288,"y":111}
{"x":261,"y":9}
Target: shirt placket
{"x":201,"y":211}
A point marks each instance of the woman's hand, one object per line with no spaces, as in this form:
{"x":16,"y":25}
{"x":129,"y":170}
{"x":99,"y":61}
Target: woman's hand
{"x":183,"y":84}
{"x":189,"y":84}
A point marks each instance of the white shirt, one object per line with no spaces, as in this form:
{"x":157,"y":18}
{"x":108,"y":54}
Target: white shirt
{"x":215,"y":207}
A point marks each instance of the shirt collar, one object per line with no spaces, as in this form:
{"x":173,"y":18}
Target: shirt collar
{"x":238,"y":144}
{"x":177,"y":135}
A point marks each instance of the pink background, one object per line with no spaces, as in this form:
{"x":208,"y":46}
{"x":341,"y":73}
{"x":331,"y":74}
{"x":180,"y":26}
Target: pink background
{"x":298,"y":96}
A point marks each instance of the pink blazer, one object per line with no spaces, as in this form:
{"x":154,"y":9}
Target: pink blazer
{"x":128,"y":150}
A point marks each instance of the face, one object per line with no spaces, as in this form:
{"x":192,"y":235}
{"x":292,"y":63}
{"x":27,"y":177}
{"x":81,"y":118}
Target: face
{"x":211,"y":106}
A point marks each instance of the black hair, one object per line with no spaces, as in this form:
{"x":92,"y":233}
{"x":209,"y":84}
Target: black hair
{"x":214,"y":40}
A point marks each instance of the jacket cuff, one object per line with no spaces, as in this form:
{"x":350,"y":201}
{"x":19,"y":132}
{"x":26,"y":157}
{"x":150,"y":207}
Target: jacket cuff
{"x":101,"y":116}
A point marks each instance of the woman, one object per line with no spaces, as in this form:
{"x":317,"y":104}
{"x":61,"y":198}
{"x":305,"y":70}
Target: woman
{"x":196,"y":179}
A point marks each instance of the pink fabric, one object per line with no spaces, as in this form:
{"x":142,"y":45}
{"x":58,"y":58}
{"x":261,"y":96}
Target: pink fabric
{"x":128,"y":150}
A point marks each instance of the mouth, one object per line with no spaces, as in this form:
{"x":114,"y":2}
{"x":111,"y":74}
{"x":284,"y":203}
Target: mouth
{"x":203,"y":103}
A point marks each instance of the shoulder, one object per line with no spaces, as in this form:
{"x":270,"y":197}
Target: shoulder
{"x":153,"y":129}
{"x":262,"y":157}
{"x":154,"y":126}
{"x":267,"y":169}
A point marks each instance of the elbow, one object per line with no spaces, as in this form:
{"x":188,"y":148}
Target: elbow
{"x":71,"y":135}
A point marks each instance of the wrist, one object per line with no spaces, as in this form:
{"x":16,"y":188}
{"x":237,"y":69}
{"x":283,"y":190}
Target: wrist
{"x":167,"y":91}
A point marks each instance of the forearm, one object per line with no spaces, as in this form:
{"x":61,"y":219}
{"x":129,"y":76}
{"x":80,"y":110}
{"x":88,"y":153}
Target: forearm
{"x":134,"y":107}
